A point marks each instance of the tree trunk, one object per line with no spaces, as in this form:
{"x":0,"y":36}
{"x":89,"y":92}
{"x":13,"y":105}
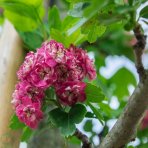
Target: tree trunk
{"x":11,"y":56}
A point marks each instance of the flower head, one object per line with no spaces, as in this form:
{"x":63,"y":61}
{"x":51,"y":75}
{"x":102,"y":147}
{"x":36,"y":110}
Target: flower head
{"x":71,"y":92}
{"x":30,"y":114}
{"x":52,"y":65}
{"x":25,"y":90}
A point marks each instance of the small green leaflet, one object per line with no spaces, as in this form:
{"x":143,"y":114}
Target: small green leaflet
{"x":94,"y":93}
{"x":27,"y":133}
{"x":144,"y":12}
{"x":97,"y":112}
{"x":54,"y":18}
{"x":15,"y":123}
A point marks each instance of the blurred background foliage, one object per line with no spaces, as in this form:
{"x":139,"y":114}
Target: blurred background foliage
{"x":103,"y":29}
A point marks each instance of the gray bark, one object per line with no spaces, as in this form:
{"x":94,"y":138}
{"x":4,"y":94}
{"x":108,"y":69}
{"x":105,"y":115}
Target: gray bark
{"x":125,"y":127}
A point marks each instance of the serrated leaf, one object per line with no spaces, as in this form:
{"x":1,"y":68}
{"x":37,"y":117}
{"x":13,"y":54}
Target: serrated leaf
{"x":94,"y":93}
{"x":25,"y":16}
{"x":61,"y":119}
{"x":66,"y":121}
{"x":58,"y":36}
{"x":27,"y":133}
{"x":32,"y":39}
{"x":15,"y":123}
{"x":144,"y":12}
{"x":28,"y":23}
{"x":58,"y":117}
{"x":121,"y":85}
{"x":88,"y":13}
{"x":95,"y":32}
{"x":96,"y":111}
{"x":68,"y":129}
{"x":54,"y":18}
{"x":77,"y":113}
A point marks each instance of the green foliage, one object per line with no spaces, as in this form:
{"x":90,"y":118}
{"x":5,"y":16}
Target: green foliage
{"x":93,"y":93}
{"x":24,"y":15}
{"x":54,"y":18}
{"x":15,"y":123}
{"x":96,"y":111}
{"x":121,"y":80}
{"x":99,"y":27}
{"x":144,"y":12}
{"x":27,"y":133}
{"x":33,"y":39}
{"x":88,"y":126}
{"x":93,"y":29}
{"x":66,"y":120}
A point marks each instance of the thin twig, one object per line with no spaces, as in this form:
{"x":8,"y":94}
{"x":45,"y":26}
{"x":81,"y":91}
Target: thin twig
{"x":138,"y":50}
{"x":83,"y":138}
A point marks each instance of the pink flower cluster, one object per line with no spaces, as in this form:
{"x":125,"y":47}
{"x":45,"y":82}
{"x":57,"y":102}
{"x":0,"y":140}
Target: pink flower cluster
{"x":52,"y":65}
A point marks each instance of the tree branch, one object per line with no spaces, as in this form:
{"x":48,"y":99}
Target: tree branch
{"x":125,"y":128}
{"x":83,"y":138}
{"x":138,"y":50}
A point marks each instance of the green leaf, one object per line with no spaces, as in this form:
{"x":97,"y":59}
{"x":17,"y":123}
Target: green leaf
{"x":76,"y":38}
{"x":15,"y":123}
{"x":88,"y":126}
{"x":77,"y":10}
{"x":1,"y":19}
{"x":144,"y":12}
{"x":61,"y":119}
{"x":106,"y":109}
{"x":58,"y":36}
{"x":66,"y":121}
{"x":93,"y":29}
{"x":20,"y":8}
{"x":90,"y":115}
{"x":120,"y":84}
{"x":95,"y":32}
{"x":27,"y":133}
{"x":58,"y":117}
{"x":28,"y":23}
{"x":32,"y":39}
{"x":24,"y":16}
{"x":96,"y":111}
{"x":77,"y":113}
{"x":68,"y":22}
{"x":94,"y":93}
{"x":68,"y":129}
{"x":32,"y":2}
{"x":88,"y":13}
{"x":54,"y":18}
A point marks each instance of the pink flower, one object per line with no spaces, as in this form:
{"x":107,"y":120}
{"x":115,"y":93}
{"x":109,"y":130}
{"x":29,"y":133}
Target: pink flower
{"x":41,"y":76}
{"x":71,"y":92}
{"x":52,"y":51}
{"x":52,"y":65}
{"x":25,"y":89}
{"x":27,"y":66}
{"x":83,"y":65}
{"x":62,"y":73}
{"x":30,"y":114}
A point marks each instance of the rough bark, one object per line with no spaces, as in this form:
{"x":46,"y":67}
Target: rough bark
{"x":125,"y":128}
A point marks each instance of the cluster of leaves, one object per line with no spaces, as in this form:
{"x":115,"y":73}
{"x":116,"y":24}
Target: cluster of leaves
{"x":98,"y":26}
